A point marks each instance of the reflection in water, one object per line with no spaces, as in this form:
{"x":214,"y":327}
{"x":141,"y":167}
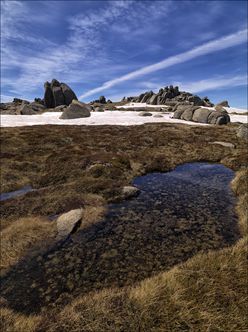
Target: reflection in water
{"x":176,"y":215}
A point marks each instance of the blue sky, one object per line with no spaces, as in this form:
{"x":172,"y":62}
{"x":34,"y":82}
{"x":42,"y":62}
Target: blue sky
{"x":123,"y":48}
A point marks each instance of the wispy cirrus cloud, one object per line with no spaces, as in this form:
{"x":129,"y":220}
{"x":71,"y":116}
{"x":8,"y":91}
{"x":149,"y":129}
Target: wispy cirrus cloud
{"x":213,"y":83}
{"x":81,"y":56}
{"x":204,"y":49}
{"x":86,"y":43}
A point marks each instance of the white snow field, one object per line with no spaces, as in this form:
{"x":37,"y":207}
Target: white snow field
{"x":123,"y":118}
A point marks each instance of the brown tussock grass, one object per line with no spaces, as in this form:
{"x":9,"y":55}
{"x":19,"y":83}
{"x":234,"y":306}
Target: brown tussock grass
{"x":15,"y":322}
{"x":207,"y":293}
{"x":23,"y":236}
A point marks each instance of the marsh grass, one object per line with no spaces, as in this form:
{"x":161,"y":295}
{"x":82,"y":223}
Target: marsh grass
{"x":206,"y":293}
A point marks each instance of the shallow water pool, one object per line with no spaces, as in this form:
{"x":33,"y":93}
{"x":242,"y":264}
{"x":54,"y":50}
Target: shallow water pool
{"x":176,"y":215}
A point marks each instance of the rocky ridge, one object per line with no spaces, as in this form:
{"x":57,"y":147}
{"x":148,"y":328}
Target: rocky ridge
{"x":169,"y":95}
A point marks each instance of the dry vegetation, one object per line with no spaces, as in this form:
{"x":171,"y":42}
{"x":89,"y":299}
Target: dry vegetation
{"x":86,"y":167}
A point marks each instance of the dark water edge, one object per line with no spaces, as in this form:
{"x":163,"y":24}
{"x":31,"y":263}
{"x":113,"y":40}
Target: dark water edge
{"x":176,"y":215}
{"x":12,"y":194}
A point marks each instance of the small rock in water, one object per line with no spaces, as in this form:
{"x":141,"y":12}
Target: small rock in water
{"x":158,"y":116}
{"x":129,"y":191}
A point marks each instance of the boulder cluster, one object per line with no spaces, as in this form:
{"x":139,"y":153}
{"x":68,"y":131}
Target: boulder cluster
{"x":58,"y":97}
{"x":201,"y":114}
{"x":101,"y":100}
{"x":21,"y":107}
{"x":57,"y":94}
{"x":169,"y":95}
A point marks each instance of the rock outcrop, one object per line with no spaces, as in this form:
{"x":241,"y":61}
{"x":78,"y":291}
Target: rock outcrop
{"x":223,"y":103}
{"x":76,"y":110}
{"x":57,"y":94}
{"x":201,"y":115}
{"x":31,"y":108}
{"x":242,"y":132}
{"x":11,"y":108}
{"x":101,"y":100}
{"x":169,"y":95}
{"x":21,"y":107}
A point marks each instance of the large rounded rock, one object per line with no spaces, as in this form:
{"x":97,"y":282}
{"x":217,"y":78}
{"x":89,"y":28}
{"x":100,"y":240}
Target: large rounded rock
{"x":187,"y":115}
{"x":179,"y":110}
{"x":218,"y":118}
{"x":69,"y":95}
{"x":76,"y":110}
{"x":68,"y":222}
{"x":31,"y":109}
{"x":201,"y":115}
{"x":37,"y":106}
{"x":222,"y":120}
{"x":242,"y":132}
{"x":27,"y":110}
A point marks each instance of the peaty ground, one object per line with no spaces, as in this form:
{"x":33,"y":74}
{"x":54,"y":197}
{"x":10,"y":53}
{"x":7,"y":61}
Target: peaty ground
{"x":81,"y":166}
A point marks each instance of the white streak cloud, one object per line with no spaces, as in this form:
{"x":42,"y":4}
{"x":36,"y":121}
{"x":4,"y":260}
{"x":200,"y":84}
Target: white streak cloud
{"x":214,"y":83}
{"x":204,"y":49}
